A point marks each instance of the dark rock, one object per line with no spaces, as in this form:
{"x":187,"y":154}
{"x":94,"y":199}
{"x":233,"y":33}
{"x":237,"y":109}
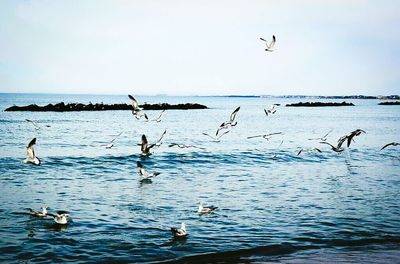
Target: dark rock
{"x":319,"y":104}
{"x":390,"y":103}
{"x":62,"y":107}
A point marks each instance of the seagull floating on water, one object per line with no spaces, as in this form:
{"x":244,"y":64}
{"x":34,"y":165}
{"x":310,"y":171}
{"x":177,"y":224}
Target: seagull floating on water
{"x":179,"y":233}
{"x":390,"y":144}
{"x":144,"y":174}
{"x":216,"y":138}
{"x":265,"y":136}
{"x":30,"y":152}
{"x":205,"y":210}
{"x":270,"y":46}
{"x":61,"y":217}
{"x":42,"y":213}
{"x":231,"y":123}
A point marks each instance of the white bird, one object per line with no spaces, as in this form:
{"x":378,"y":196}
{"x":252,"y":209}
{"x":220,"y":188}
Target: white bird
{"x":216,"y":138}
{"x":323,"y":138}
{"x":266,"y":136}
{"x":184,"y":146}
{"x":270,"y":46}
{"x":137,"y":111}
{"x":42,"y":213}
{"x":158,"y":119}
{"x":308,"y":151}
{"x":144,"y":174}
{"x":36,"y":126}
{"x":61,"y":217}
{"x":111,"y":144}
{"x":271,"y":110}
{"x":179,"y":233}
{"x":30,"y":152}
{"x":145,"y":147}
{"x":205,"y":210}
{"x":231,"y":123}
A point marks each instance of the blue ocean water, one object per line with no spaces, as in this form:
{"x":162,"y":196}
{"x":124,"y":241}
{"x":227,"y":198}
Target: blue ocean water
{"x":273,"y":205}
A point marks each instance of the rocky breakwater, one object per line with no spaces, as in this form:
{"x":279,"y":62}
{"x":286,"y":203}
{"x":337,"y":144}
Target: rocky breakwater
{"x":62,"y":107}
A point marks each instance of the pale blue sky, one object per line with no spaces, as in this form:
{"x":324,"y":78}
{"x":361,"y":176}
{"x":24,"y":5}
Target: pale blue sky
{"x":200,"y":47}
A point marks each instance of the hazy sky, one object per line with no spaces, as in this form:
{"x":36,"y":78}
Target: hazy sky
{"x":200,"y":47}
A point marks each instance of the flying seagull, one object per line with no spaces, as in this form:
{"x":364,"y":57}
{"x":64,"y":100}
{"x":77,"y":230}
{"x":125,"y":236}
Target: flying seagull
{"x":265,"y":136}
{"x":111,"y":144}
{"x":309,"y":151}
{"x":179,"y":233}
{"x":136,"y":111}
{"x":184,"y":146}
{"x":36,"y":126}
{"x":270,"y":46}
{"x":205,"y":210}
{"x":390,"y":144}
{"x":216,"y":138}
{"x":338,"y":148}
{"x":158,"y":119}
{"x":144,"y":174}
{"x":42,"y":213}
{"x":271,"y":110}
{"x":145,"y":147}
{"x":30,"y":152}
{"x":231,"y":123}
{"x":323,"y":138}
{"x":61,"y":217}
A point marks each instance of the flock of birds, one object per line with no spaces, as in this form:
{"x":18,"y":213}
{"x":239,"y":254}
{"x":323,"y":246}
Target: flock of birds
{"x":61,"y":217}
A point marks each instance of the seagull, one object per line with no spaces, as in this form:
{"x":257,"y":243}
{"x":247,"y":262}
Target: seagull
{"x":271,"y":110}
{"x":308,"y":151}
{"x":179,"y":233}
{"x":43,"y":213}
{"x":158,"y":119}
{"x":338,"y":148}
{"x":30,"y":152}
{"x":184,"y":146}
{"x":216,"y":138}
{"x":36,"y":126}
{"x":390,"y":144}
{"x":145,"y":147}
{"x":353,"y":134}
{"x":111,"y":144}
{"x":275,"y":156}
{"x":266,"y":136}
{"x":205,"y":210}
{"x":323,"y":138}
{"x":137,"y":111}
{"x":144,"y":174}
{"x":270,"y":46}
{"x":61,"y":217}
{"x":231,"y":123}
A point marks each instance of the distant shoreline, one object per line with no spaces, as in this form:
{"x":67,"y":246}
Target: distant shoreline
{"x":377,"y":97}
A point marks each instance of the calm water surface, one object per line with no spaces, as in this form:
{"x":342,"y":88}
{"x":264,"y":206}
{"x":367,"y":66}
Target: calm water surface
{"x":273,"y":205}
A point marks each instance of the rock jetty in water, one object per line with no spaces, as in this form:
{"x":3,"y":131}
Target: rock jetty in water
{"x":62,"y":107}
{"x":319,"y":104}
{"x":390,"y":103}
